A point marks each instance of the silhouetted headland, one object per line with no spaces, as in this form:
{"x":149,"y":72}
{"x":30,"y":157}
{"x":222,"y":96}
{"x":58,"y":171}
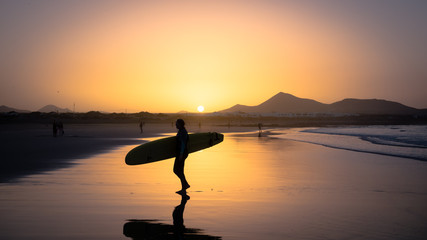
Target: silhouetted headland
{"x":283,"y":103}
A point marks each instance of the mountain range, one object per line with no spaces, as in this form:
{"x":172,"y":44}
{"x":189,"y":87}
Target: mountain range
{"x":4,"y":108}
{"x":45,"y":109}
{"x":284,"y":103}
{"x":53,"y":108}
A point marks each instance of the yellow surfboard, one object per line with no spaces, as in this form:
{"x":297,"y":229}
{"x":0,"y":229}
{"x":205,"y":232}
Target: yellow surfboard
{"x":165,"y":148}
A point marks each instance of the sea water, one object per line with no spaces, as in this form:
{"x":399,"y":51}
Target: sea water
{"x":407,"y":141}
{"x":247,"y":187}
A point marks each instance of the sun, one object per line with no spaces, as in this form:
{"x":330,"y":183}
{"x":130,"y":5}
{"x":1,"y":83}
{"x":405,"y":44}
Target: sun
{"x":200,"y":108}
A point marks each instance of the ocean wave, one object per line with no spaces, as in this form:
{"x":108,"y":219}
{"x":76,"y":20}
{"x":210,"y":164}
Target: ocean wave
{"x":403,"y":135}
{"x":399,"y":141}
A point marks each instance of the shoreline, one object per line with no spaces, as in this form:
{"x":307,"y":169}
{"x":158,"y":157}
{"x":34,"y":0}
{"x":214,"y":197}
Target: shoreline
{"x":338,"y":193}
{"x":31,"y":148}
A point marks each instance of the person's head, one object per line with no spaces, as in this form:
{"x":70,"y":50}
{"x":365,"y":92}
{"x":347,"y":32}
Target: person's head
{"x":180,"y":124}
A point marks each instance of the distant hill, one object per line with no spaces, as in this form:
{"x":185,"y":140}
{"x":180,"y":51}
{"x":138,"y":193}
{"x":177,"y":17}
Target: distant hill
{"x":53,"y":108}
{"x":371,"y":106}
{"x":281,"y":103}
{"x":287,"y":103}
{"x":183,"y":112}
{"x":4,"y":108}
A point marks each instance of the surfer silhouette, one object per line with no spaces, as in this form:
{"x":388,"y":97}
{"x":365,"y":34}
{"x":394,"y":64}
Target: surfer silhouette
{"x":181,"y":153}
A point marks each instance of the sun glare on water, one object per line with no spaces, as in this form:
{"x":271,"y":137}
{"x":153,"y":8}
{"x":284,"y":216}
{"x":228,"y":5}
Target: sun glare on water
{"x":200,"y":108}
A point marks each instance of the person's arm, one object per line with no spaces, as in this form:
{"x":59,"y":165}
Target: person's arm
{"x":182,"y":143}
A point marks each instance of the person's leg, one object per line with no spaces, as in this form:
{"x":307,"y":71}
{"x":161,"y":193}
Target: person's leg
{"x":178,"y":169}
{"x":184,"y":182}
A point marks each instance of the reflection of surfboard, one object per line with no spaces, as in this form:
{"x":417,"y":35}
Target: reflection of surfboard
{"x":153,"y":229}
{"x":166,"y":147}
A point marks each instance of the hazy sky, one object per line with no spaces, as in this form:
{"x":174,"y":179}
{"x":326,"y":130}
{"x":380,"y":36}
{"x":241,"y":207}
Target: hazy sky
{"x":168,"y":56}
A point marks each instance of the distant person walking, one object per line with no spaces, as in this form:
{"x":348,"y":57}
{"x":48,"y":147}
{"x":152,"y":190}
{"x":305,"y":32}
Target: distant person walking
{"x":181,"y":153}
{"x":141,"y":125}
{"x":55,"y":128}
{"x":61,"y":128}
{"x":259,"y":129}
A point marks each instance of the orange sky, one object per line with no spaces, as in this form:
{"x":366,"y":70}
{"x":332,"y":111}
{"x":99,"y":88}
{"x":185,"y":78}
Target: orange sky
{"x":170,"y":56}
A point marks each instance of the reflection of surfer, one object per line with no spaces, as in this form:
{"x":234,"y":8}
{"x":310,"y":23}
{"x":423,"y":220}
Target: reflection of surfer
{"x":152,"y":229}
{"x":178,"y":217}
{"x":181,"y":154}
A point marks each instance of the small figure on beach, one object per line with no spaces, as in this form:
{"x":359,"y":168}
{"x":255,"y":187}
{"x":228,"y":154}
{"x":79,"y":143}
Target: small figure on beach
{"x":55,"y":128}
{"x":181,"y":154}
{"x":259,"y":129}
{"x":61,"y":128}
{"x":141,"y":125}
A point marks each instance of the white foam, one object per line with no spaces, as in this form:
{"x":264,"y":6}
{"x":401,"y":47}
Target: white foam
{"x":400,"y":141}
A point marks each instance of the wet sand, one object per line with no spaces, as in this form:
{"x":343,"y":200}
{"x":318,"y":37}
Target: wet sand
{"x":244,"y":188}
{"x":31,"y":148}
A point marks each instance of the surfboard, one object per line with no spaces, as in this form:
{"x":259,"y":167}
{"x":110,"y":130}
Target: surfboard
{"x":165,"y":148}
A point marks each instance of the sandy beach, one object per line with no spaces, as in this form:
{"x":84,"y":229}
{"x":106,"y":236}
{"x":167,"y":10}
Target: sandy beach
{"x":245,"y":188}
{"x":31,"y":148}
